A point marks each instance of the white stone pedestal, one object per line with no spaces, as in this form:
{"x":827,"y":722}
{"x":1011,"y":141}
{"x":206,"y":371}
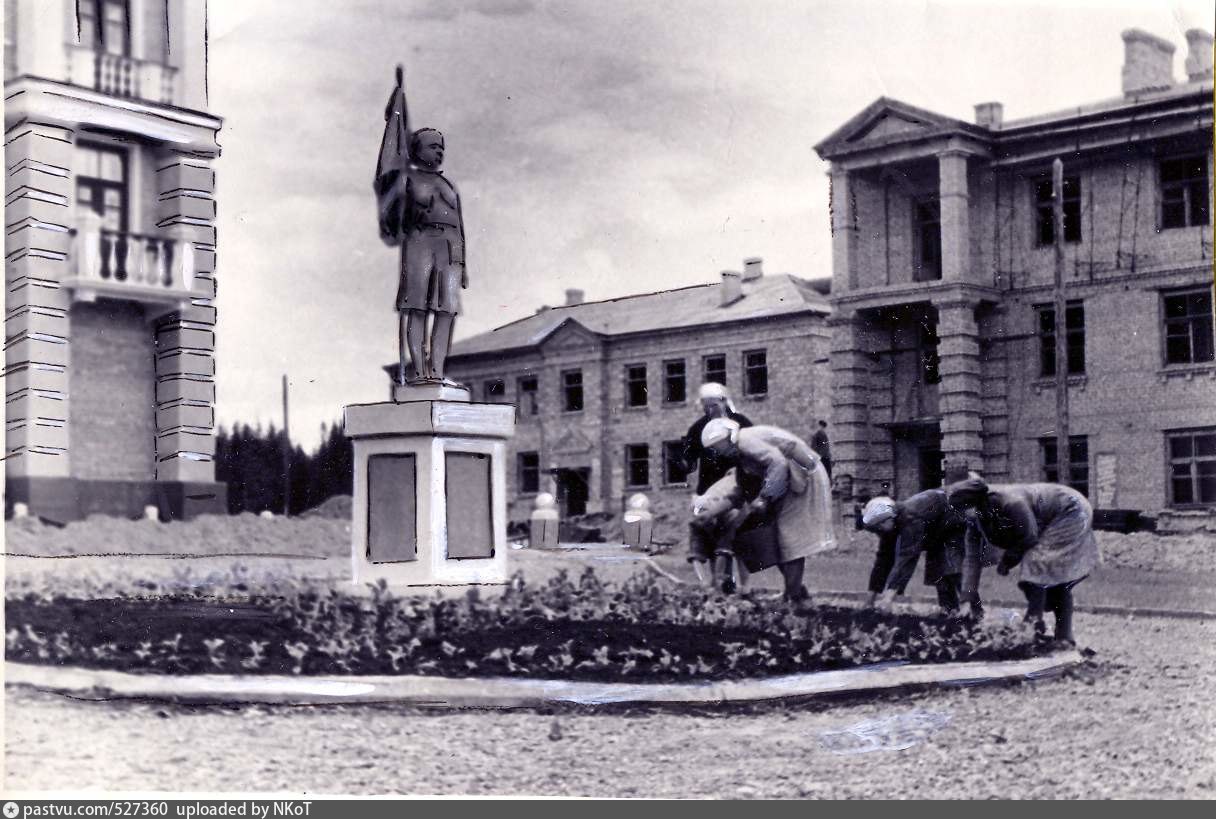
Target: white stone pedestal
{"x":430,"y":505}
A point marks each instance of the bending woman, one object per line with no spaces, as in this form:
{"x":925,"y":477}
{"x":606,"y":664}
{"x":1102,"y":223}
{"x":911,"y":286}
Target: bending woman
{"x":1046,"y":528}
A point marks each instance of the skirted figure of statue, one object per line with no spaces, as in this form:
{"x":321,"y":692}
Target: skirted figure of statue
{"x":420,"y":212}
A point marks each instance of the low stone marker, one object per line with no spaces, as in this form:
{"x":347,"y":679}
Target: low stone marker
{"x":638,"y":525}
{"x":542,"y":533}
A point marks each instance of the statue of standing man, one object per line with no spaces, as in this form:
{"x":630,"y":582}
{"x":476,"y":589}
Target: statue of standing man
{"x":420,"y":211}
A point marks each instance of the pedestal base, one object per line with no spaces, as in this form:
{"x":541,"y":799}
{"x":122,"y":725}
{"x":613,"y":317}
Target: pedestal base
{"x":429,"y":504}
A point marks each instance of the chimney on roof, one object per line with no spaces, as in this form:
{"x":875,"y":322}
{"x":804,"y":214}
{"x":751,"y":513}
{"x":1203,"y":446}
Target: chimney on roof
{"x":542,"y":309}
{"x":1148,"y":62}
{"x":574,"y":296}
{"x":1199,"y":55}
{"x":753,"y":268}
{"x":732,"y":288}
{"x":989,"y":114}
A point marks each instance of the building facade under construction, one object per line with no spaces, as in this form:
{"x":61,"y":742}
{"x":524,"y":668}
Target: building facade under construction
{"x":943,"y":320}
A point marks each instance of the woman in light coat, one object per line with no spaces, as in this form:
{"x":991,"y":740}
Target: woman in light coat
{"x":794,"y":489}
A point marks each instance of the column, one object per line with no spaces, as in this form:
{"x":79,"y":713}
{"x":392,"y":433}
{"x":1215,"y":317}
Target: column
{"x":844,"y":232}
{"x":185,"y":340}
{"x":38,"y":216}
{"x":959,"y":394}
{"x":955,"y":217}
{"x":850,"y":366}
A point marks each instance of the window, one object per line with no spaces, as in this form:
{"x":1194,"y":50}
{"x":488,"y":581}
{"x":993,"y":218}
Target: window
{"x":1074,"y":328}
{"x":103,"y":25}
{"x":1184,"y":192}
{"x":494,"y":390}
{"x":1078,"y":462}
{"x":637,"y":465}
{"x":927,"y":214}
{"x":1046,"y":233}
{"x":101,"y":184}
{"x":674,"y":382}
{"x":635,"y":385}
{"x":526,"y":395}
{"x":1188,"y":326}
{"x":713,"y":369}
{"x":1192,"y":467}
{"x":755,"y":372}
{"x":673,"y":462}
{"x":528,"y":464}
{"x":572,"y":391}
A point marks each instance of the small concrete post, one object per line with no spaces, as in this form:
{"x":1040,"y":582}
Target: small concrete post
{"x":638,"y":528}
{"x":151,"y":513}
{"x":542,"y":533}
{"x":20,"y":510}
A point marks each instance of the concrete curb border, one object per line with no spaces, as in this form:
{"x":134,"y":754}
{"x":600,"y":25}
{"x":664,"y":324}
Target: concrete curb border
{"x":507,"y":692}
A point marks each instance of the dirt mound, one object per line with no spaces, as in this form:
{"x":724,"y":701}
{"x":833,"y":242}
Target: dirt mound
{"x":336,"y":508}
{"x":245,"y":534}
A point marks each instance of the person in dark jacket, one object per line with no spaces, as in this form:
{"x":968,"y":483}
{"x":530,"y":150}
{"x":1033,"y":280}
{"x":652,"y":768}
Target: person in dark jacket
{"x":822,"y":446}
{"x":712,"y":524}
{"x":925,"y":522}
{"x":1045,"y":528}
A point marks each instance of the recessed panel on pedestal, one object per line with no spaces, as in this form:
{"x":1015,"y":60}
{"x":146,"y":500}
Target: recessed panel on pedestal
{"x":392,"y":508}
{"x":469,"y":513}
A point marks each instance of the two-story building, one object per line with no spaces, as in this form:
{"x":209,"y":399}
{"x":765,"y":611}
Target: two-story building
{"x":943,"y":336}
{"x":109,"y":258}
{"x":606,"y":390}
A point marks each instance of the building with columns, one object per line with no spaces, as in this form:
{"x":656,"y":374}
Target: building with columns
{"x":942,"y":350}
{"x":109,"y":258}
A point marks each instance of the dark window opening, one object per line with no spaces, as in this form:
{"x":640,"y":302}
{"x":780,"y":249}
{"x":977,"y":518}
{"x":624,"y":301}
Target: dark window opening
{"x":1184,"y":192}
{"x":494,"y":390}
{"x":1046,"y":217}
{"x":1078,"y":462}
{"x":755,"y":372}
{"x":928,"y":219}
{"x":527,"y":395}
{"x":930,"y":361}
{"x":101,"y":185}
{"x":635,"y":385}
{"x":674,"y":470}
{"x":528,"y":464}
{"x":674,"y":382}
{"x":713,"y":369}
{"x":1192,"y":457}
{"x":637,"y":465}
{"x":104,"y":25}
{"x":572,"y":391}
{"x":1188,"y":326}
{"x":1074,"y":328}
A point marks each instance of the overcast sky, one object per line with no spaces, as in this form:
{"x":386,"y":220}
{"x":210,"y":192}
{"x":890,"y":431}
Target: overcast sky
{"x":617,"y":147}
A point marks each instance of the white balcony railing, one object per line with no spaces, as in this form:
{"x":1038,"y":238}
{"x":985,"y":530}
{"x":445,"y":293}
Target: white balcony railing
{"x":133,"y":266}
{"x":121,"y":76}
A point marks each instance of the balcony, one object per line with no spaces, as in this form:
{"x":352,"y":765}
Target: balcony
{"x":154,"y":270}
{"x":121,"y":76}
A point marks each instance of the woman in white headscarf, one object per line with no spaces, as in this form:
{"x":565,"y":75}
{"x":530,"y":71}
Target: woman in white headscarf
{"x":794,"y":489}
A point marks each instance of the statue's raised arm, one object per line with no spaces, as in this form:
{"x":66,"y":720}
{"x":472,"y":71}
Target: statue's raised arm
{"x":392,"y":164}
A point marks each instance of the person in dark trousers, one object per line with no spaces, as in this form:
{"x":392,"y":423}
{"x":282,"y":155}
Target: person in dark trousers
{"x":822,"y":446}
{"x":925,"y":522}
{"x":1045,"y":528}
{"x":711,"y":525}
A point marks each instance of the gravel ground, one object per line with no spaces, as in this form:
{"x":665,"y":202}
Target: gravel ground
{"x":1136,"y":722}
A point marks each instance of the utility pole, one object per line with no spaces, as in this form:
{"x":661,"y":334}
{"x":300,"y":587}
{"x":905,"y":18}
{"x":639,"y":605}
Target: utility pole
{"x":1061,"y":328}
{"x":286,"y":454}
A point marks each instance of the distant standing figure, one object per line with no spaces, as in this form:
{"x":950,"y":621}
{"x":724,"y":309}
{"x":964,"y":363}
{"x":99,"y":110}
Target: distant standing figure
{"x":1046,"y":528}
{"x":925,"y":522}
{"x":822,"y":446}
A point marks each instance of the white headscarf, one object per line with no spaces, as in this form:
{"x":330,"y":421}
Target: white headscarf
{"x":712,"y":389}
{"x":877,"y":510}
{"x":719,"y":429}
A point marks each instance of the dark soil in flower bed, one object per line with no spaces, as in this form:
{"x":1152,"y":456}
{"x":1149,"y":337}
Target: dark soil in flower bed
{"x":585,"y":631}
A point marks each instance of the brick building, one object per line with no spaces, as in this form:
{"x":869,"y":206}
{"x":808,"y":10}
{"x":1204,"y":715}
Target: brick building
{"x":109,"y":258}
{"x":942,"y":349}
{"x":606,"y":390}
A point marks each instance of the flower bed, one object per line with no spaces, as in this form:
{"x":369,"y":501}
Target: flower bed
{"x":585,"y":630}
